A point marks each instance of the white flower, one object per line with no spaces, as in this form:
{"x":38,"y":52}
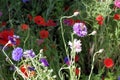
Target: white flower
{"x":75,"y":45}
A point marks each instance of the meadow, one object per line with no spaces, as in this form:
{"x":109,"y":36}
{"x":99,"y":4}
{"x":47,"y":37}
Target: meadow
{"x":59,"y":39}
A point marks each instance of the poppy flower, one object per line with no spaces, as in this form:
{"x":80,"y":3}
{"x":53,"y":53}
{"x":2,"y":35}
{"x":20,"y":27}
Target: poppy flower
{"x":76,"y":58}
{"x":100,"y":19}
{"x":39,"y":20}
{"x":108,"y":62}
{"x":100,"y":22}
{"x":44,"y":34}
{"x":77,"y":71}
{"x":5,"y":35}
{"x":27,"y":70}
{"x":50,"y":23}
{"x":117,"y":16}
{"x":24,"y":27}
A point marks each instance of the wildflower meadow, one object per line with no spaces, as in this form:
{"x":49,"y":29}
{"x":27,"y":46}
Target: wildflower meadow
{"x":59,"y":39}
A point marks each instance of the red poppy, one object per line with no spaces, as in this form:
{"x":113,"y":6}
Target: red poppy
{"x":44,"y":34}
{"x":108,"y":62}
{"x":117,"y":16}
{"x":76,"y":58}
{"x":100,"y":19}
{"x":100,"y":22}
{"x":4,"y":37}
{"x":77,"y":71}
{"x":25,"y":70}
{"x":50,"y":23}
{"x":24,"y":26}
{"x":39,"y":20}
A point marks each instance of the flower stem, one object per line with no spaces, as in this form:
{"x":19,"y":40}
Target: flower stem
{"x":62,"y":31}
{"x":92,"y":65}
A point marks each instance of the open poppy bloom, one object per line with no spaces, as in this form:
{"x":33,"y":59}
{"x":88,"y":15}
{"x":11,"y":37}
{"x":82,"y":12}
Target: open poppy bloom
{"x":39,"y":20}
{"x":44,"y":34}
{"x":4,"y":37}
{"x":77,"y":71}
{"x":50,"y":23}
{"x":100,"y":19}
{"x":27,"y":70}
{"x":117,"y":16}
{"x":24,"y":27}
{"x":108,"y":62}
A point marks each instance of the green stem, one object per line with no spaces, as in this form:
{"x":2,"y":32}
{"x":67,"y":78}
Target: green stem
{"x":92,"y":65}
{"x":17,"y":69}
{"x":26,"y":38}
{"x":62,"y":31}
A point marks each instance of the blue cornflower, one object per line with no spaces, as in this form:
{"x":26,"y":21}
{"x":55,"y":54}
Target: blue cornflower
{"x":25,"y":1}
{"x":28,"y":54}
{"x":44,"y":62}
{"x":67,"y":61}
{"x":13,"y":39}
{"x":17,"y":54}
{"x":118,"y":77}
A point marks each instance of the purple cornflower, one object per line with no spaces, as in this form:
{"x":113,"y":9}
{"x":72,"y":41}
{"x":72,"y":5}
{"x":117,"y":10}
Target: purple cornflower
{"x":44,"y":62}
{"x":25,"y":1}
{"x":118,"y":77}
{"x":1,"y":13}
{"x":117,"y":3}
{"x":13,"y":39}
{"x":80,"y":29}
{"x":29,"y":54}
{"x":67,"y":61}
{"x":17,"y":54}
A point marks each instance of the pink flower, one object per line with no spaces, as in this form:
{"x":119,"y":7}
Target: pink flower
{"x":75,"y":45}
{"x":117,"y":3}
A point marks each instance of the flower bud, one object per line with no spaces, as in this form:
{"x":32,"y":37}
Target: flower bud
{"x":76,"y":13}
{"x":93,"y":33}
{"x":101,"y":50}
